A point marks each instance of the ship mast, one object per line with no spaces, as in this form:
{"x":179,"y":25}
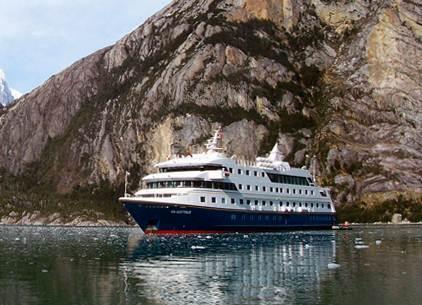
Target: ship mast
{"x":214,"y":144}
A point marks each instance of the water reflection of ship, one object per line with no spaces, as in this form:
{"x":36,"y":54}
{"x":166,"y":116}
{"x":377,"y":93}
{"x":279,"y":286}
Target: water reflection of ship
{"x":259,"y":273}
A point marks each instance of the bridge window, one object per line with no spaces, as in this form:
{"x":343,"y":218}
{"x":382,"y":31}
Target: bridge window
{"x":287,"y":179}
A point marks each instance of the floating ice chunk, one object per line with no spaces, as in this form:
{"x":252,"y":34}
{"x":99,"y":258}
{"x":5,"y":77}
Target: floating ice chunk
{"x":378,"y":242}
{"x":361,"y":246}
{"x":333,"y":266}
{"x":307,"y":246}
{"x":208,"y":237}
{"x":197,"y":247}
{"x":44,"y":270}
{"x":17,"y":238}
{"x":114,"y":236}
{"x":245,"y":236}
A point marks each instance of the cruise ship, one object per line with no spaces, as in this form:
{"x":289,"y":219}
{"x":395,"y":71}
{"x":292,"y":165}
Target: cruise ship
{"x":213,"y":193}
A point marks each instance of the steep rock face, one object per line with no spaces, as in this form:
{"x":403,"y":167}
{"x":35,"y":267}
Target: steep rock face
{"x":337,"y":82}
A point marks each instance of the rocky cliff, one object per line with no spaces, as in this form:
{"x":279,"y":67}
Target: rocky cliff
{"x":335,"y":82}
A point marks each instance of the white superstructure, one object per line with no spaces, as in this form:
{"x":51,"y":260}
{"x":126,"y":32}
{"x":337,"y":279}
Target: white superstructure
{"x":213,"y":180}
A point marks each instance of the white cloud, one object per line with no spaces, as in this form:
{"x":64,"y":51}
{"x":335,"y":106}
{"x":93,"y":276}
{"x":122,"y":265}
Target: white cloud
{"x":15,"y":93}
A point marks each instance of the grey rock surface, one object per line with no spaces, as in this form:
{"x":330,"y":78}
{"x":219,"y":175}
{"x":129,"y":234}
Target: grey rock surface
{"x":337,"y":80}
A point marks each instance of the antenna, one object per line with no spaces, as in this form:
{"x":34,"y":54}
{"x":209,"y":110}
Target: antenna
{"x":127,"y":174}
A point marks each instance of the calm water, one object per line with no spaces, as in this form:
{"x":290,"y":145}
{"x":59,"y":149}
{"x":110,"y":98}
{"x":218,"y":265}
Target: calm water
{"x":121,"y":266}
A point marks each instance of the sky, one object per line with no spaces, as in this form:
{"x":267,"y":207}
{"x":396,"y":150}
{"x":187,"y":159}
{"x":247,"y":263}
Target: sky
{"x":39,"y":38}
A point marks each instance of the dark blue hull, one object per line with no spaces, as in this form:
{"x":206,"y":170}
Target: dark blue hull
{"x":165,"y":218}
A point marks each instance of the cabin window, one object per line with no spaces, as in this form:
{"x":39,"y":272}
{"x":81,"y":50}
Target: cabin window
{"x":255,"y":173}
{"x":300,"y":191}
{"x":287,"y":204}
{"x":271,"y":203}
{"x":239,"y":171}
{"x":271,"y":189}
{"x":256,"y":202}
{"x":202,"y":199}
{"x":329,"y":206}
{"x":287,"y":191}
{"x":248,"y":187}
{"x":223,"y":200}
{"x":263,"y":174}
{"x":322,"y":205}
{"x":312,"y":192}
{"x":300,"y":204}
{"x":231,"y":170}
{"x":312,"y":205}
{"x":247,"y":172}
{"x":281,"y":190}
{"x":280,"y":203}
{"x":248,"y":202}
{"x":233,"y":201}
{"x":256,"y":188}
{"x":317,"y":205}
{"x":263,"y":202}
{"x":294,"y":191}
{"x":306,"y":192}
{"x":294,"y":204}
{"x":240,"y":186}
{"x":213,"y":200}
{"x":264,"y":189}
{"x":241,"y":201}
{"x":306,"y":204}
{"x":276,"y":189}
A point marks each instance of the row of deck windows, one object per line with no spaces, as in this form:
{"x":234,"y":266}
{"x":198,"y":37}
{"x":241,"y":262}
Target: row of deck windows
{"x":277,"y":190}
{"x":193,"y":183}
{"x":270,"y":203}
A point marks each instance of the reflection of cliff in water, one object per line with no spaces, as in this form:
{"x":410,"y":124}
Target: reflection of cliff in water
{"x":257,"y":269}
